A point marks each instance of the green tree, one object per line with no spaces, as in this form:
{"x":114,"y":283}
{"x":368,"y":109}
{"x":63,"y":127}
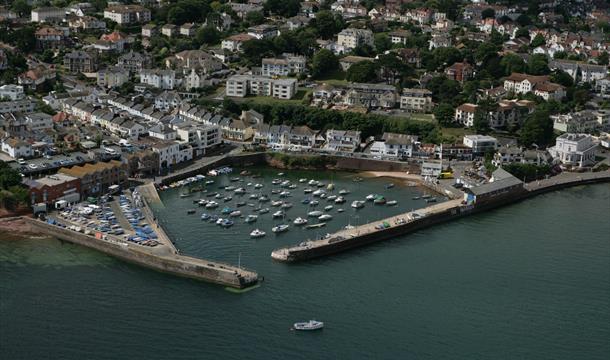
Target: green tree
{"x":522,"y":33}
{"x":602,"y":58}
{"x":24,"y":39}
{"x":537,"y":129}
{"x":512,"y":63}
{"x":286,"y":8}
{"x":562,"y":78}
{"x":8,"y":176}
{"x":323,"y":62}
{"x":21,"y":7}
{"x":488,"y":13}
{"x":255,"y":18}
{"x":537,"y":41}
{"x":208,"y":36}
{"x":392,"y":68}
{"x":382,"y":43}
{"x":480,"y":123}
{"x":538,"y":65}
{"x":523,"y":20}
{"x":327,"y":24}
{"x":444,"y":113}
{"x":363,"y":71}
{"x":254,"y":50}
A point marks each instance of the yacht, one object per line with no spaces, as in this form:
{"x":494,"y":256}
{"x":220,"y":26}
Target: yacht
{"x":251,"y":218}
{"x":205,"y":216}
{"x":325,"y":217}
{"x":315,"y":213}
{"x":380,"y":200}
{"x":218,"y":196}
{"x":277,"y":203}
{"x":392,"y":203}
{"x":292,"y":186}
{"x":340,"y":210}
{"x":302,"y":180}
{"x":357,"y":204}
{"x":219,"y":221}
{"x":275,"y":191}
{"x":300,"y":221}
{"x":240,"y":191}
{"x":314,"y":203}
{"x":313,"y":182}
{"x":256,"y":233}
{"x":253,"y":196}
{"x":263,"y":198}
{"x":263,"y":211}
{"x":308,"y":326}
{"x":279,"y":214}
{"x":258,"y":186}
{"x":318,"y":192}
{"x":203,"y":202}
{"x":235,"y":213}
{"x":286,"y":205}
{"x":331,"y":198}
{"x":276,"y":181}
{"x":371,"y":197}
{"x":226,"y":223}
{"x":328,"y":208}
{"x":284,"y":194}
{"x":307,"y":190}
{"x":340,"y":200}
{"x":211,"y":205}
{"x":280,"y":228}
{"x":227,"y":199}
{"x":343,"y":192}
{"x":230,"y":188}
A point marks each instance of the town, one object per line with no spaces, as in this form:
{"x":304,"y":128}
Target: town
{"x":98,"y":96}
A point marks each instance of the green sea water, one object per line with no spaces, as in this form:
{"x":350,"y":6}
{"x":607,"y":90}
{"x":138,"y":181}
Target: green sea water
{"x":530,"y":280}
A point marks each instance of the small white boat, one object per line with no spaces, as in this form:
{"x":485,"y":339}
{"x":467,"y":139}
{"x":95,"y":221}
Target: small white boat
{"x":392,"y":203}
{"x":325,"y":217}
{"x":315,"y":213}
{"x":277,"y":203}
{"x":313,"y":182}
{"x":251,"y":218}
{"x":370,"y":197}
{"x":263,"y":211}
{"x":240,"y":191}
{"x":280,"y":228}
{"x":340,"y":200}
{"x":318,"y":192}
{"x":307,"y":190}
{"x":328,"y":208}
{"x":358,"y":204}
{"x":263,"y":198}
{"x":300,"y":221}
{"x":203,"y":202}
{"x":211,"y":205}
{"x":230,"y":188}
{"x":308,"y":326}
{"x":343,"y":192}
{"x":219,"y":221}
{"x":314,"y":203}
{"x":302,"y":180}
{"x":235,"y":213}
{"x":276,"y":181}
{"x":279,"y":214}
{"x":285,"y":183}
{"x":340,"y":210}
{"x":292,"y":186}
{"x":258,"y":186}
{"x":253,"y":196}
{"x":284,"y":194}
{"x":256,"y":233}
{"x":286,"y":205}
{"x":331,"y":197}
{"x":349,"y":227}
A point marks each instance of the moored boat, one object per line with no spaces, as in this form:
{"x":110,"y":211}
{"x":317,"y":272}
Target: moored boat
{"x":280,"y":228}
{"x":315,"y":213}
{"x":300,"y":221}
{"x":371,"y":197}
{"x":325,"y":217}
{"x":357,"y":204}
{"x":279,"y":214}
{"x":392,"y":203}
{"x":251,"y":218}
{"x":308,"y":326}
{"x":256,"y":233}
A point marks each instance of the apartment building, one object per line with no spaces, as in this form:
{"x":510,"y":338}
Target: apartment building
{"x":416,"y":100}
{"x":242,"y":85}
{"x":284,"y":65}
{"x":127,"y":14}
{"x":352,"y":38}
{"x":80,"y":61}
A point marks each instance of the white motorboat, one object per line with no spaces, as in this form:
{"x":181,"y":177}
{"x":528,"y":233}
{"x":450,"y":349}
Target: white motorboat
{"x":307,"y":190}
{"x":340,"y":210}
{"x":318,"y":192}
{"x":211,"y":205}
{"x":286,"y":205}
{"x":308,"y":326}
{"x":263,"y":198}
{"x":340,"y":200}
{"x":277,"y":203}
{"x":235,"y":213}
{"x":292,"y":186}
{"x":370,"y":197}
{"x":203,"y":202}
{"x":331,"y":197}
{"x":219,"y":221}
{"x":280,"y":228}
{"x":343,"y":192}
{"x":279,"y":214}
{"x":256,"y":233}
{"x":315,"y":213}
{"x":313,"y":182}
{"x":392,"y":203}
{"x":240,"y":191}
{"x":358,"y":204}
{"x":325,"y":217}
{"x":276,"y":181}
{"x":314,"y":203}
{"x":328,"y":208}
{"x":300,"y":221}
{"x":302,"y":180}
{"x":284,"y":194}
{"x":263,"y":211}
{"x":251,"y":218}
{"x":258,"y":186}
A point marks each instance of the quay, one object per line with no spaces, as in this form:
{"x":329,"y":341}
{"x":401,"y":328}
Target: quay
{"x":504,"y":191}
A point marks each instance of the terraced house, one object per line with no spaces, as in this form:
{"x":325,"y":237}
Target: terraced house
{"x":96,"y":178}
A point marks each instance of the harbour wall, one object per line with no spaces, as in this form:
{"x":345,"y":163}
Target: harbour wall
{"x":183,"y":266}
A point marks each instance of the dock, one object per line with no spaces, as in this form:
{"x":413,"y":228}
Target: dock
{"x":414,"y":220}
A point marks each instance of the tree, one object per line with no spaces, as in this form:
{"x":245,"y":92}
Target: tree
{"x":562,"y":78}
{"x":327,"y":24}
{"x":323,"y":62}
{"x":537,"y":129}
{"x":392,"y":68}
{"x":21,"y":7}
{"x":486,"y":51}
{"x":254,"y":50}
{"x":511,"y":63}
{"x":8,"y":176}
{"x":24,"y":39}
{"x":537,"y":41}
{"x":208,"y":36}
{"x":538,"y":65}
{"x":443,"y":113}
{"x":255,"y":18}
{"x":602,"y":59}
{"x":363,"y":71}
{"x":488,"y":13}
{"x":443,"y":89}
{"x":230,"y":106}
{"x":480,"y":123}
{"x":286,"y":8}
{"x":522,"y":33}
{"x":523,"y":20}
{"x":382,"y":43}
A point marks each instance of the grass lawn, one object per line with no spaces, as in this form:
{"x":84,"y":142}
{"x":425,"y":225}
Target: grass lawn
{"x":455,"y":133}
{"x":268,"y":100}
{"x":336,"y":77}
{"x":423,"y":117}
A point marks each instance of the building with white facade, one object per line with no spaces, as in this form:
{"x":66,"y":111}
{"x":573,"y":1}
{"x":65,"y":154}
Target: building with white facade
{"x":416,"y":100}
{"x":394,"y":145}
{"x":481,"y":144}
{"x":161,"y":79}
{"x":11,"y":92}
{"x":242,"y":85}
{"x":200,"y":137}
{"x":127,"y":14}
{"x":352,"y":38}
{"x":342,"y":140}
{"x":585,"y":121}
{"x":112,"y":76}
{"x":575,"y":150}
{"x":16,"y":148}
{"x":284,"y":65}
{"x":46,"y":14}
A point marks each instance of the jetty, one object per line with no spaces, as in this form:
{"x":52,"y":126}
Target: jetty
{"x":504,"y":190}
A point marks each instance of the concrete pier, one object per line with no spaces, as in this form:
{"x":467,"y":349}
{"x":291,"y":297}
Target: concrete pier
{"x":411,"y":221}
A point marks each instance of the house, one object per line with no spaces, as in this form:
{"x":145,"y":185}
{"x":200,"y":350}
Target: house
{"x":579,"y":71}
{"x":188,"y":29}
{"x":481,"y":144}
{"x":112,"y":76}
{"x":244,"y":9}
{"x":200,"y":60}
{"x":169,"y":30}
{"x":222,"y":22}
{"x":453,"y":151}
{"x":460,"y":71}
{"x":16,"y":148}
{"x":24,"y":105}
{"x":53,"y":188}
{"x":11,"y":92}
{"x":38,"y":121}
{"x":351,"y":38}
{"x":410,"y":56}
{"x":503,"y":185}
{"x":342,"y":140}
{"x":394,"y":145}
{"x":347,"y":61}
{"x":302,"y":137}
{"x":574,"y":150}
{"x":115,"y":41}
{"x":134,"y":61}
{"x":237,"y":130}
{"x":399,"y":36}
{"x":263,"y":31}
{"x":162,"y":132}
{"x":582,"y":122}
{"x":234,"y":42}
{"x":149,"y":30}
{"x":48,"y":14}
{"x":160,"y":79}
{"x":297,"y":22}
{"x":416,"y":100}
{"x":251,"y":117}
{"x":440,"y":40}
{"x":80,"y":61}
{"x":167,"y":100}
{"x":519,"y":83}
{"x":86,"y":23}
{"x":550,"y":91}
{"x":35,"y":77}
{"x":602,"y":88}
{"x":371,"y":95}
{"x":242,"y":85}
{"x":284,"y":65}
{"x":200,"y":138}
{"x":127,"y":14}
{"x":464,"y":114}
{"x":97,"y":178}
{"x":49,"y":38}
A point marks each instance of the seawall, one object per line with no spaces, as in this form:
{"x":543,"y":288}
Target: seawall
{"x":183,"y":266}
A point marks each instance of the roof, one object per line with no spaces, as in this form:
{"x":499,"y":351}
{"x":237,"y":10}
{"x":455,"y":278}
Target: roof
{"x":240,"y":37}
{"x":505,"y":180}
{"x":467,"y":107}
{"x":519,"y":77}
{"x":398,"y":139}
{"x":50,"y":180}
{"x":88,"y":169}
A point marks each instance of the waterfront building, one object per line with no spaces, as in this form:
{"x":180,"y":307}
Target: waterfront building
{"x":97,"y":178}
{"x":574,"y":150}
{"x":481,"y":144}
{"x":502,"y":185}
{"x":394,"y":145}
{"x":342,"y":140}
{"x":53,"y":188}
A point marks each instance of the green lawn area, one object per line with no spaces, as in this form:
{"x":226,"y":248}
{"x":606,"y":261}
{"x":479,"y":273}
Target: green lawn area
{"x":423,"y":117}
{"x":336,"y":77}
{"x":268,"y":100}
{"x":455,"y":133}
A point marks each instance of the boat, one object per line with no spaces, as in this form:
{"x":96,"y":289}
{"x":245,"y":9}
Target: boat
{"x":380,"y":200}
{"x":314,"y":203}
{"x":253,"y":196}
{"x":241,"y":203}
{"x":323,"y":196}
{"x":205,"y":216}
{"x":258,"y":186}
{"x":318,"y":192}
{"x":325,"y":217}
{"x":219,"y":221}
{"x":191,"y":211}
{"x":331,"y":198}
{"x":307,"y":190}
{"x":343,"y":192}
{"x":218,"y":196}
{"x":302,"y":180}
{"x":285,"y":183}
{"x":209,"y":182}
{"x":371,"y":197}
{"x":256,"y":233}
{"x":185,"y":195}
{"x":313,"y":182}
{"x":227,"y":199}
{"x":245,"y":173}
{"x":212,"y":194}
{"x":340,"y":200}
{"x":263,"y":211}
{"x":202,"y":202}
{"x":357,"y":204}
{"x":349,"y":227}
{"x":276,"y":181}
{"x":280,"y":174}
{"x":279,"y":214}
{"x":275,"y":191}
{"x":305,"y":201}
{"x":330,"y":187}
{"x":292,"y":186}
{"x":431,"y":200}
{"x":308,"y":326}
{"x":240,"y":191}
{"x":234,"y":179}
{"x":320,"y":185}
{"x":277,"y":203}
{"x":426,"y":196}
{"x":392,"y":203}
{"x":235,"y":213}
{"x":416,"y":198}
{"x":285,"y":194}
{"x":389,"y":186}
{"x":300,"y":221}
{"x":286,"y":205}
{"x":263,"y":198}
{"x":229,"y":188}
{"x":328,"y":208}
{"x":226,"y":210}
{"x":340,"y":210}
{"x":251,"y":218}
{"x":213,"y":218}
{"x":314,"y":226}
{"x":280,"y":228}
{"x":227,"y":223}
{"x":315,"y":213}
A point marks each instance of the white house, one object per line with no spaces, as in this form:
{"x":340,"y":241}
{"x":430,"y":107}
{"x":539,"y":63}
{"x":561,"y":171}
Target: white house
{"x":576,"y":150}
{"x":480,"y":144}
{"x":352,"y":38}
{"x":44,"y":14}
{"x":161,"y":79}
{"x":12,"y":92}
{"x":394,"y":145}
{"x":342,"y":140}
{"x":17,"y":148}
